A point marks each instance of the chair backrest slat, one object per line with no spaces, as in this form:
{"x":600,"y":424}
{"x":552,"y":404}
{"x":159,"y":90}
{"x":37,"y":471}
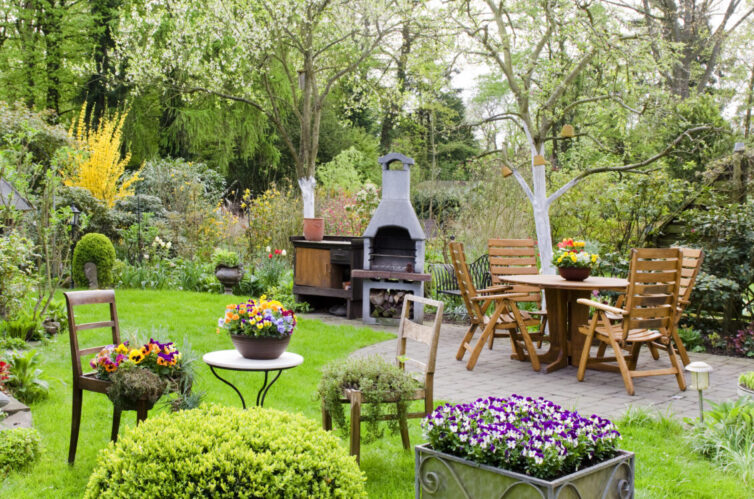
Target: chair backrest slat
{"x":692,"y":263}
{"x":652,"y":295}
{"x":515,"y":257}
{"x":429,"y":335}
{"x":90,"y":297}
{"x":465,"y":283}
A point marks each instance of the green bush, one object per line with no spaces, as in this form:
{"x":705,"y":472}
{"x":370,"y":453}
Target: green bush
{"x":225,"y":258}
{"x":220,"y":452}
{"x":19,"y":447}
{"x":747,"y":380}
{"x":95,"y":248}
{"x":23,"y":377}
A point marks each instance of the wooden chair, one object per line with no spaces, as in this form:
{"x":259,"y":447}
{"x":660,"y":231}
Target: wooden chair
{"x":649,"y":316}
{"x":89,"y":381}
{"x":506,"y":316}
{"x":518,"y":257}
{"x":408,"y":329}
{"x":692,"y":263}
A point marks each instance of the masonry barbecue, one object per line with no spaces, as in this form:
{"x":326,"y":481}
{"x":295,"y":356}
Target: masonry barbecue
{"x":393,"y":241}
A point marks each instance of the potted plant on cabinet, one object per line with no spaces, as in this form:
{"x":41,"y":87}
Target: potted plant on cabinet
{"x":520,"y":447}
{"x":228,"y":269}
{"x":259,"y":329}
{"x":573,"y":260}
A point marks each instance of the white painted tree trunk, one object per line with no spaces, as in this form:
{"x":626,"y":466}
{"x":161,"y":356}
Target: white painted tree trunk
{"x":307,"y":185}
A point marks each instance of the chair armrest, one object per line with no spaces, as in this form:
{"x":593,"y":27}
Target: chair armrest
{"x":601,"y":306}
{"x":684,"y":303}
{"x":498,"y":297}
{"x":494,"y":289}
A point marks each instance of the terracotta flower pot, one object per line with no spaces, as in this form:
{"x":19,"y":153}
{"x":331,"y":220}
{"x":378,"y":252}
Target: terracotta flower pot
{"x":314,"y":229}
{"x":251,"y":347}
{"x":574,"y":273}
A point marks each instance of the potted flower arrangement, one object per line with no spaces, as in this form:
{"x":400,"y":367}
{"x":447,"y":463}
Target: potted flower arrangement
{"x":746,"y":385}
{"x":228,"y":269}
{"x":573,"y":261}
{"x":494,"y":445}
{"x":141,"y":375}
{"x":259,"y":329}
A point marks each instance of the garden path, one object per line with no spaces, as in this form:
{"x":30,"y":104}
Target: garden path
{"x":601,"y":393}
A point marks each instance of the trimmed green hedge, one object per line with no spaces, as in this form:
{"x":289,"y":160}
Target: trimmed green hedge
{"x":18,"y":448}
{"x":220,"y":452}
{"x":98,"y":249}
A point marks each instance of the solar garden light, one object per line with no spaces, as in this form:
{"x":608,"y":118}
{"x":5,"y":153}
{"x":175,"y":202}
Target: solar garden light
{"x":699,"y":381}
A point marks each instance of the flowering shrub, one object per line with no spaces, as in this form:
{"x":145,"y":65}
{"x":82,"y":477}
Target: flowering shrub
{"x":4,"y":372}
{"x":521,"y":434}
{"x":162,"y":359}
{"x":743,"y":342}
{"x":272,"y":218}
{"x":262,"y":319}
{"x":572,"y":253}
{"x":348,"y":214}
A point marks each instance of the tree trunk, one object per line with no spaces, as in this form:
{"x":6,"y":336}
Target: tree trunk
{"x":541,"y":212}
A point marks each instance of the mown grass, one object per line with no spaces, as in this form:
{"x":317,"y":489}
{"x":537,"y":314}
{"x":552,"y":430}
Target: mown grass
{"x":666,"y":467}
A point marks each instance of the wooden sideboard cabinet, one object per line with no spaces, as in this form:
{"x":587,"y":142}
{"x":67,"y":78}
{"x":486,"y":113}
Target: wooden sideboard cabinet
{"x":322,"y":269}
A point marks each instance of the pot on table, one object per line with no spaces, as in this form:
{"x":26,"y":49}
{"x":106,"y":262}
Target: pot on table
{"x":260,"y":348}
{"x":314,"y":229}
{"x":574,"y":273}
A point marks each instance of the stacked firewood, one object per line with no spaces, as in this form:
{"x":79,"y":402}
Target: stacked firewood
{"x":386,"y":303}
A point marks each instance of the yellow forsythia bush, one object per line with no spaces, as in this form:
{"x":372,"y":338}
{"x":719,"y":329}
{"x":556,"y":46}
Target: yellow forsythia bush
{"x":219,"y":452}
{"x":100,"y":169}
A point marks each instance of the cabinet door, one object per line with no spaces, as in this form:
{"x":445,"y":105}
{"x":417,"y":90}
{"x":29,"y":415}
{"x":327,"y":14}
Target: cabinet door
{"x":313,"y":267}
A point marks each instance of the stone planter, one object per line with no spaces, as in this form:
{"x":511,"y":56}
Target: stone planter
{"x":228,"y":277}
{"x":745,"y":391}
{"x":251,"y":347}
{"x":442,"y":475}
{"x":574,"y":273}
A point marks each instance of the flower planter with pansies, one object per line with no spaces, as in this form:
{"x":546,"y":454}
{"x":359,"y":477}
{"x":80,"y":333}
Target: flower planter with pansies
{"x":520,"y":447}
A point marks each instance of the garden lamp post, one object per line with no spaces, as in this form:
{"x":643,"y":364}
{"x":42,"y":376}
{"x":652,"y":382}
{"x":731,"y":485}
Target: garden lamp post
{"x":74,"y":224}
{"x":699,"y":381}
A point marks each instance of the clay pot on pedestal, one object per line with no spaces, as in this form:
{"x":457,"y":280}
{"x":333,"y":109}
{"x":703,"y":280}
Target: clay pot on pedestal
{"x":229,"y":277}
{"x":574,"y":273}
{"x":314,"y":229}
{"x":260,"y":348}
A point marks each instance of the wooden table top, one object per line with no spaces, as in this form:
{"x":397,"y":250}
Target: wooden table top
{"x":557,"y":282}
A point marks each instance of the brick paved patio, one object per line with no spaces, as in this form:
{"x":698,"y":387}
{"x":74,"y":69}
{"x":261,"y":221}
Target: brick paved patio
{"x":602,"y":393}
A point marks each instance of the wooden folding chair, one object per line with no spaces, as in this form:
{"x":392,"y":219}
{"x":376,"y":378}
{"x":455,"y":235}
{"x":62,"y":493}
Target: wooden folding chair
{"x":649,"y":316}
{"x":518,"y":257}
{"x":408,"y":329}
{"x":506,"y":317}
{"x":89,"y":381}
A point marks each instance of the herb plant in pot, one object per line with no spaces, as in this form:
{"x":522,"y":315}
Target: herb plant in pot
{"x":228,"y":269}
{"x":746,"y":385}
{"x":573,"y":260}
{"x":259,"y":329}
{"x":520,"y":447}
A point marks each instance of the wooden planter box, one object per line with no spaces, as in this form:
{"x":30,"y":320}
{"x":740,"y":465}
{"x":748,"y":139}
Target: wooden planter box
{"x":441,"y":475}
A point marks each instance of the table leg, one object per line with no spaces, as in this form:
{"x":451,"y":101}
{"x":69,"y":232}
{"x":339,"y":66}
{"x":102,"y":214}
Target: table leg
{"x":557,"y":320}
{"x":265,"y":388}
{"x":578,"y":315}
{"x":243,"y":402}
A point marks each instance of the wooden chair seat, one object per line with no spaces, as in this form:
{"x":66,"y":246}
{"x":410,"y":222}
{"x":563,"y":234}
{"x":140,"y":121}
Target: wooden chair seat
{"x":634,"y":335}
{"x":407,"y":330}
{"x":90,"y":382}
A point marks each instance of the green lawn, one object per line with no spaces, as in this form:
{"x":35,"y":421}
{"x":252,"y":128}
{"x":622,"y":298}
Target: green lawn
{"x":665,"y":466}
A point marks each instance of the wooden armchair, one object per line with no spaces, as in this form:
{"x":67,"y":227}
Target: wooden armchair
{"x":506,"y":317}
{"x":408,"y":329}
{"x":89,"y":381}
{"x":518,"y":257}
{"x":649,"y":316}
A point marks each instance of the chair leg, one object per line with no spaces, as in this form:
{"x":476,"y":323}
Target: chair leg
{"x":326,"y":419}
{"x":542,"y":330}
{"x":116,"y":424}
{"x":681,"y":349}
{"x":489,"y":330}
{"x":530,"y":349}
{"x":635,"y":349}
{"x":492,"y":339}
{"x":75,"y":424}
{"x":678,"y":371}
{"x":356,"y":427}
{"x":466,"y":339}
{"x":654,"y":352}
{"x":624,"y":370}
{"x":585,"y":355}
{"x":601,"y":349}
{"x":403,"y":424}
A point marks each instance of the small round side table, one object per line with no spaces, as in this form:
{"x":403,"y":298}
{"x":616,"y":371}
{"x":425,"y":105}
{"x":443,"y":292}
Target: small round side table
{"x":233,"y":361}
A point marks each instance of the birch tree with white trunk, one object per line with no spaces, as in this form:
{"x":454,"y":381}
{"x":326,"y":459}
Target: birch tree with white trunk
{"x":543,"y":48}
{"x":283,"y":58}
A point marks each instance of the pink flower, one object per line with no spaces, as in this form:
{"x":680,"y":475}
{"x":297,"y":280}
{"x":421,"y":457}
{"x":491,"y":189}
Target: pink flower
{"x":270,"y":255}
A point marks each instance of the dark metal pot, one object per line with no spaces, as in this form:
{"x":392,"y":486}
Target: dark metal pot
{"x":265,"y":348}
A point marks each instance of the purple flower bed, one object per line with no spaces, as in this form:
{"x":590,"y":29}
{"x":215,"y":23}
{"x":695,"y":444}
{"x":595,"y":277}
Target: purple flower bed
{"x":521,"y":434}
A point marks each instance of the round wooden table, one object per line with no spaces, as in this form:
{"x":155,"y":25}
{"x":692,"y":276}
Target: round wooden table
{"x":564,"y":314}
{"x":233,"y":361}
